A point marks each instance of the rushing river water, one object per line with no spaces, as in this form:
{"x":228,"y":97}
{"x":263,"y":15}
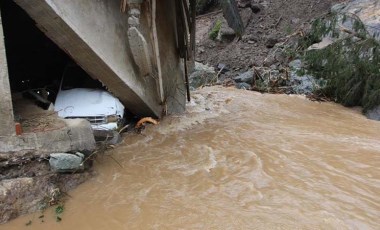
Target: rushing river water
{"x":237,"y":160}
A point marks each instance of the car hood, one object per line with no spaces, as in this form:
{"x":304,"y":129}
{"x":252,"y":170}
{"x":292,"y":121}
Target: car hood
{"x":82,"y":102}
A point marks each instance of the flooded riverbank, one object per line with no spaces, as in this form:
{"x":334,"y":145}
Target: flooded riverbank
{"x":237,"y":160}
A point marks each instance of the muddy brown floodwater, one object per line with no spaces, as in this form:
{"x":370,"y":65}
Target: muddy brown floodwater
{"x":236,"y":160}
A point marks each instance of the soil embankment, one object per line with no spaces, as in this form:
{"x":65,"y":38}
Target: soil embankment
{"x":327,"y":50}
{"x":271,"y":23}
{"x":27,"y":184}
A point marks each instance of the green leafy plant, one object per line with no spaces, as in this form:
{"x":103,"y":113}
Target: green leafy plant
{"x":215,"y":30}
{"x":58,"y":211}
{"x":350,"y":65}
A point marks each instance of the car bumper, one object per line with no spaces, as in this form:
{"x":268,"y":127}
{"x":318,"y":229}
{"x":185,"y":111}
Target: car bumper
{"x":105,"y":127}
{"x":110,"y":137}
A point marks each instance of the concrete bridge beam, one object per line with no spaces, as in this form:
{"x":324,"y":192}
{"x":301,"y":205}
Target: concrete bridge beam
{"x":95,"y":35}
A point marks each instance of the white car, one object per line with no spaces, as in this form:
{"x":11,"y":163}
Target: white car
{"x":80,"y":97}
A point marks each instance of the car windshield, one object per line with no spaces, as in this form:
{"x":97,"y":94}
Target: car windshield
{"x":76,"y":77}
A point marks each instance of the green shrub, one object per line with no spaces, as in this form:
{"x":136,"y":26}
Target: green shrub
{"x":351,"y":65}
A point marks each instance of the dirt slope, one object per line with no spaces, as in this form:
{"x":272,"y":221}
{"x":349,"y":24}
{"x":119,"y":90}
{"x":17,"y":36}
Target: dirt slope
{"x":275,"y":20}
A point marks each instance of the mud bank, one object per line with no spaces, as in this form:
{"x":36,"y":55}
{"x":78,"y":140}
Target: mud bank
{"x":27,"y":184}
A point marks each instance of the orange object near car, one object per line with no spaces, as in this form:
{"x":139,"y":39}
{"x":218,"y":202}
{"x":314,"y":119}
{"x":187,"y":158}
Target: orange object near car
{"x":18,"y":128}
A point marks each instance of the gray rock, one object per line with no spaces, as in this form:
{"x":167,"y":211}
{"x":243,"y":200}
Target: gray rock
{"x":294,"y":20}
{"x":243,"y":85}
{"x":280,"y":56}
{"x":275,"y":72}
{"x":337,"y":7}
{"x":250,"y":38}
{"x":110,"y":137}
{"x":295,"y":64}
{"x":233,"y":16}
{"x":270,"y":60}
{"x":271,"y":41}
{"x":244,"y":3}
{"x":66,"y":162}
{"x":246,"y":77}
{"x":274,"y":66}
{"x":211,"y":45}
{"x":374,"y":114}
{"x":223,"y":68}
{"x":246,"y":16}
{"x":201,"y":67}
{"x":264,"y":3}
{"x":304,"y":84}
{"x":366,"y":10}
{"x":203,"y":5}
{"x":202,"y":75}
{"x":81,"y":135}
{"x":202,"y":78}
{"x":256,"y":8}
{"x":226,"y":34}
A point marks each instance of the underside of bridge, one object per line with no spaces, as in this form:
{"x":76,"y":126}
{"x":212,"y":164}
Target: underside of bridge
{"x":134,"y":52}
{"x":135,"y":49}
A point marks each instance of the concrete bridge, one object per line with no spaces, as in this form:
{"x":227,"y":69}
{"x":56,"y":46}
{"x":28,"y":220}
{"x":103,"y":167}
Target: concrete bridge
{"x":137,"y":48}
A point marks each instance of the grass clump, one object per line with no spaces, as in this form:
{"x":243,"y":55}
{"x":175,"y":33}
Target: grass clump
{"x":215,"y":30}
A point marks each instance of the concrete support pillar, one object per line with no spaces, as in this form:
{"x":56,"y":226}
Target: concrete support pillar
{"x":7,"y":126}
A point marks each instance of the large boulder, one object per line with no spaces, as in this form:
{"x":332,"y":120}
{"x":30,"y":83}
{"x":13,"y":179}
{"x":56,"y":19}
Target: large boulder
{"x":201,"y":67}
{"x":201,"y":76}
{"x":367,"y":10}
{"x":66,"y":162}
{"x":80,"y":134}
{"x":246,"y":77}
{"x":302,"y":83}
{"x":374,"y":113}
{"x":226,"y":33}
